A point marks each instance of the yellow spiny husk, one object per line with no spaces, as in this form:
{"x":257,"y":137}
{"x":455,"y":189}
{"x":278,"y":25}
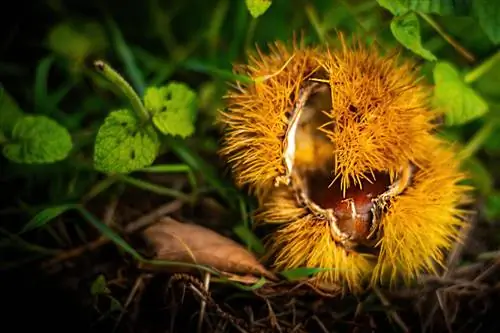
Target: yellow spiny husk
{"x":425,"y":221}
{"x":420,"y":226}
{"x":380,"y":112}
{"x":304,"y":240}
{"x":380,"y":121}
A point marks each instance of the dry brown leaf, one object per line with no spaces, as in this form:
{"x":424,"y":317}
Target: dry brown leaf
{"x":191,"y":243}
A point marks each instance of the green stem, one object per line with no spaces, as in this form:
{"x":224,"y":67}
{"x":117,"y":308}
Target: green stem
{"x":167,"y":168}
{"x":125,"y":88}
{"x":314,"y":20}
{"x":482,"y":69}
{"x":172,"y":168}
{"x":155,"y":188}
{"x":250,"y":33}
{"x":477,"y":141}
{"x":98,"y":188}
{"x":460,"y":49}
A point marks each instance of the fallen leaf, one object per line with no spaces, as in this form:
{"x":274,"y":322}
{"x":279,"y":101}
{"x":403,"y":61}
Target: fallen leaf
{"x":191,"y":243}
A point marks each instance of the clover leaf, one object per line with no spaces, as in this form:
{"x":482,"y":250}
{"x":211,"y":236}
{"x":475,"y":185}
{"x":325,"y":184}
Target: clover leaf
{"x":173,"y":108}
{"x":123,"y":144}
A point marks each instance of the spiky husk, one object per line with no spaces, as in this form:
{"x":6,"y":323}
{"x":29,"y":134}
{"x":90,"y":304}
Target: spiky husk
{"x":423,"y":223}
{"x":379,"y":117}
{"x":304,"y":240}
{"x":380,"y":121}
{"x":256,"y":118}
{"x":420,"y":226}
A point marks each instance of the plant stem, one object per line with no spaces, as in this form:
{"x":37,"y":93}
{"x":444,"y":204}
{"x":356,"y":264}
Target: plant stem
{"x":460,"y":49}
{"x":171,"y":168}
{"x":482,"y":69}
{"x":155,"y":188}
{"x":125,"y":88}
{"x":167,"y":168}
{"x":314,"y":20}
{"x":477,"y":141}
{"x":98,"y":188}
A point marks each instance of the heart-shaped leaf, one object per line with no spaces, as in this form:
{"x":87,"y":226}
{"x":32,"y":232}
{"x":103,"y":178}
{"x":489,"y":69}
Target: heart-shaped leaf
{"x":257,"y":7}
{"x":173,"y":108}
{"x":123,"y":145}
{"x":36,"y":140}
{"x":460,"y":103}
{"x":406,"y":29}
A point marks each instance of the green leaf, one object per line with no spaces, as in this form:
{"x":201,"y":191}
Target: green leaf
{"x":460,"y":103}
{"x":396,"y":7}
{"x":45,"y":216}
{"x":115,"y":305}
{"x":301,"y":272}
{"x":257,"y":7}
{"x":99,"y":286}
{"x":10,"y":112}
{"x":77,"y":40}
{"x":441,"y":7}
{"x":249,"y":238}
{"x":173,"y":108}
{"x":487,"y":13}
{"x":36,"y":140}
{"x":122,"y":145}
{"x":406,"y":29}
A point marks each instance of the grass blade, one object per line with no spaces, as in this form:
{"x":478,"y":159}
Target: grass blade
{"x":41,"y":78}
{"x":46,"y":215}
{"x":127,"y":57}
{"x":301,"y":272}
{"x":109,"y":233}
{"x":252,"y":241}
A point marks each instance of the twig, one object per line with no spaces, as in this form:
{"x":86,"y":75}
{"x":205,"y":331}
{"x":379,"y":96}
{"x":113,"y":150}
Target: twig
{"x":75,"y":252}
{"x":146,"y":220}
{"x":452,"y":262}
{"x":203,"y":305}
{"x":272,"y":316}
{"x":320,"y":323}
{"x":456,"y":253}
{"x":394,"y":315}
{"x":460,"y":49}
{"x":441,"y":298}
{"x":133,"y":292}
{"x":488,"y":271}
{"x":109,"y":212}
{"x":489,"y":255}
{"x":198,"y":288}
